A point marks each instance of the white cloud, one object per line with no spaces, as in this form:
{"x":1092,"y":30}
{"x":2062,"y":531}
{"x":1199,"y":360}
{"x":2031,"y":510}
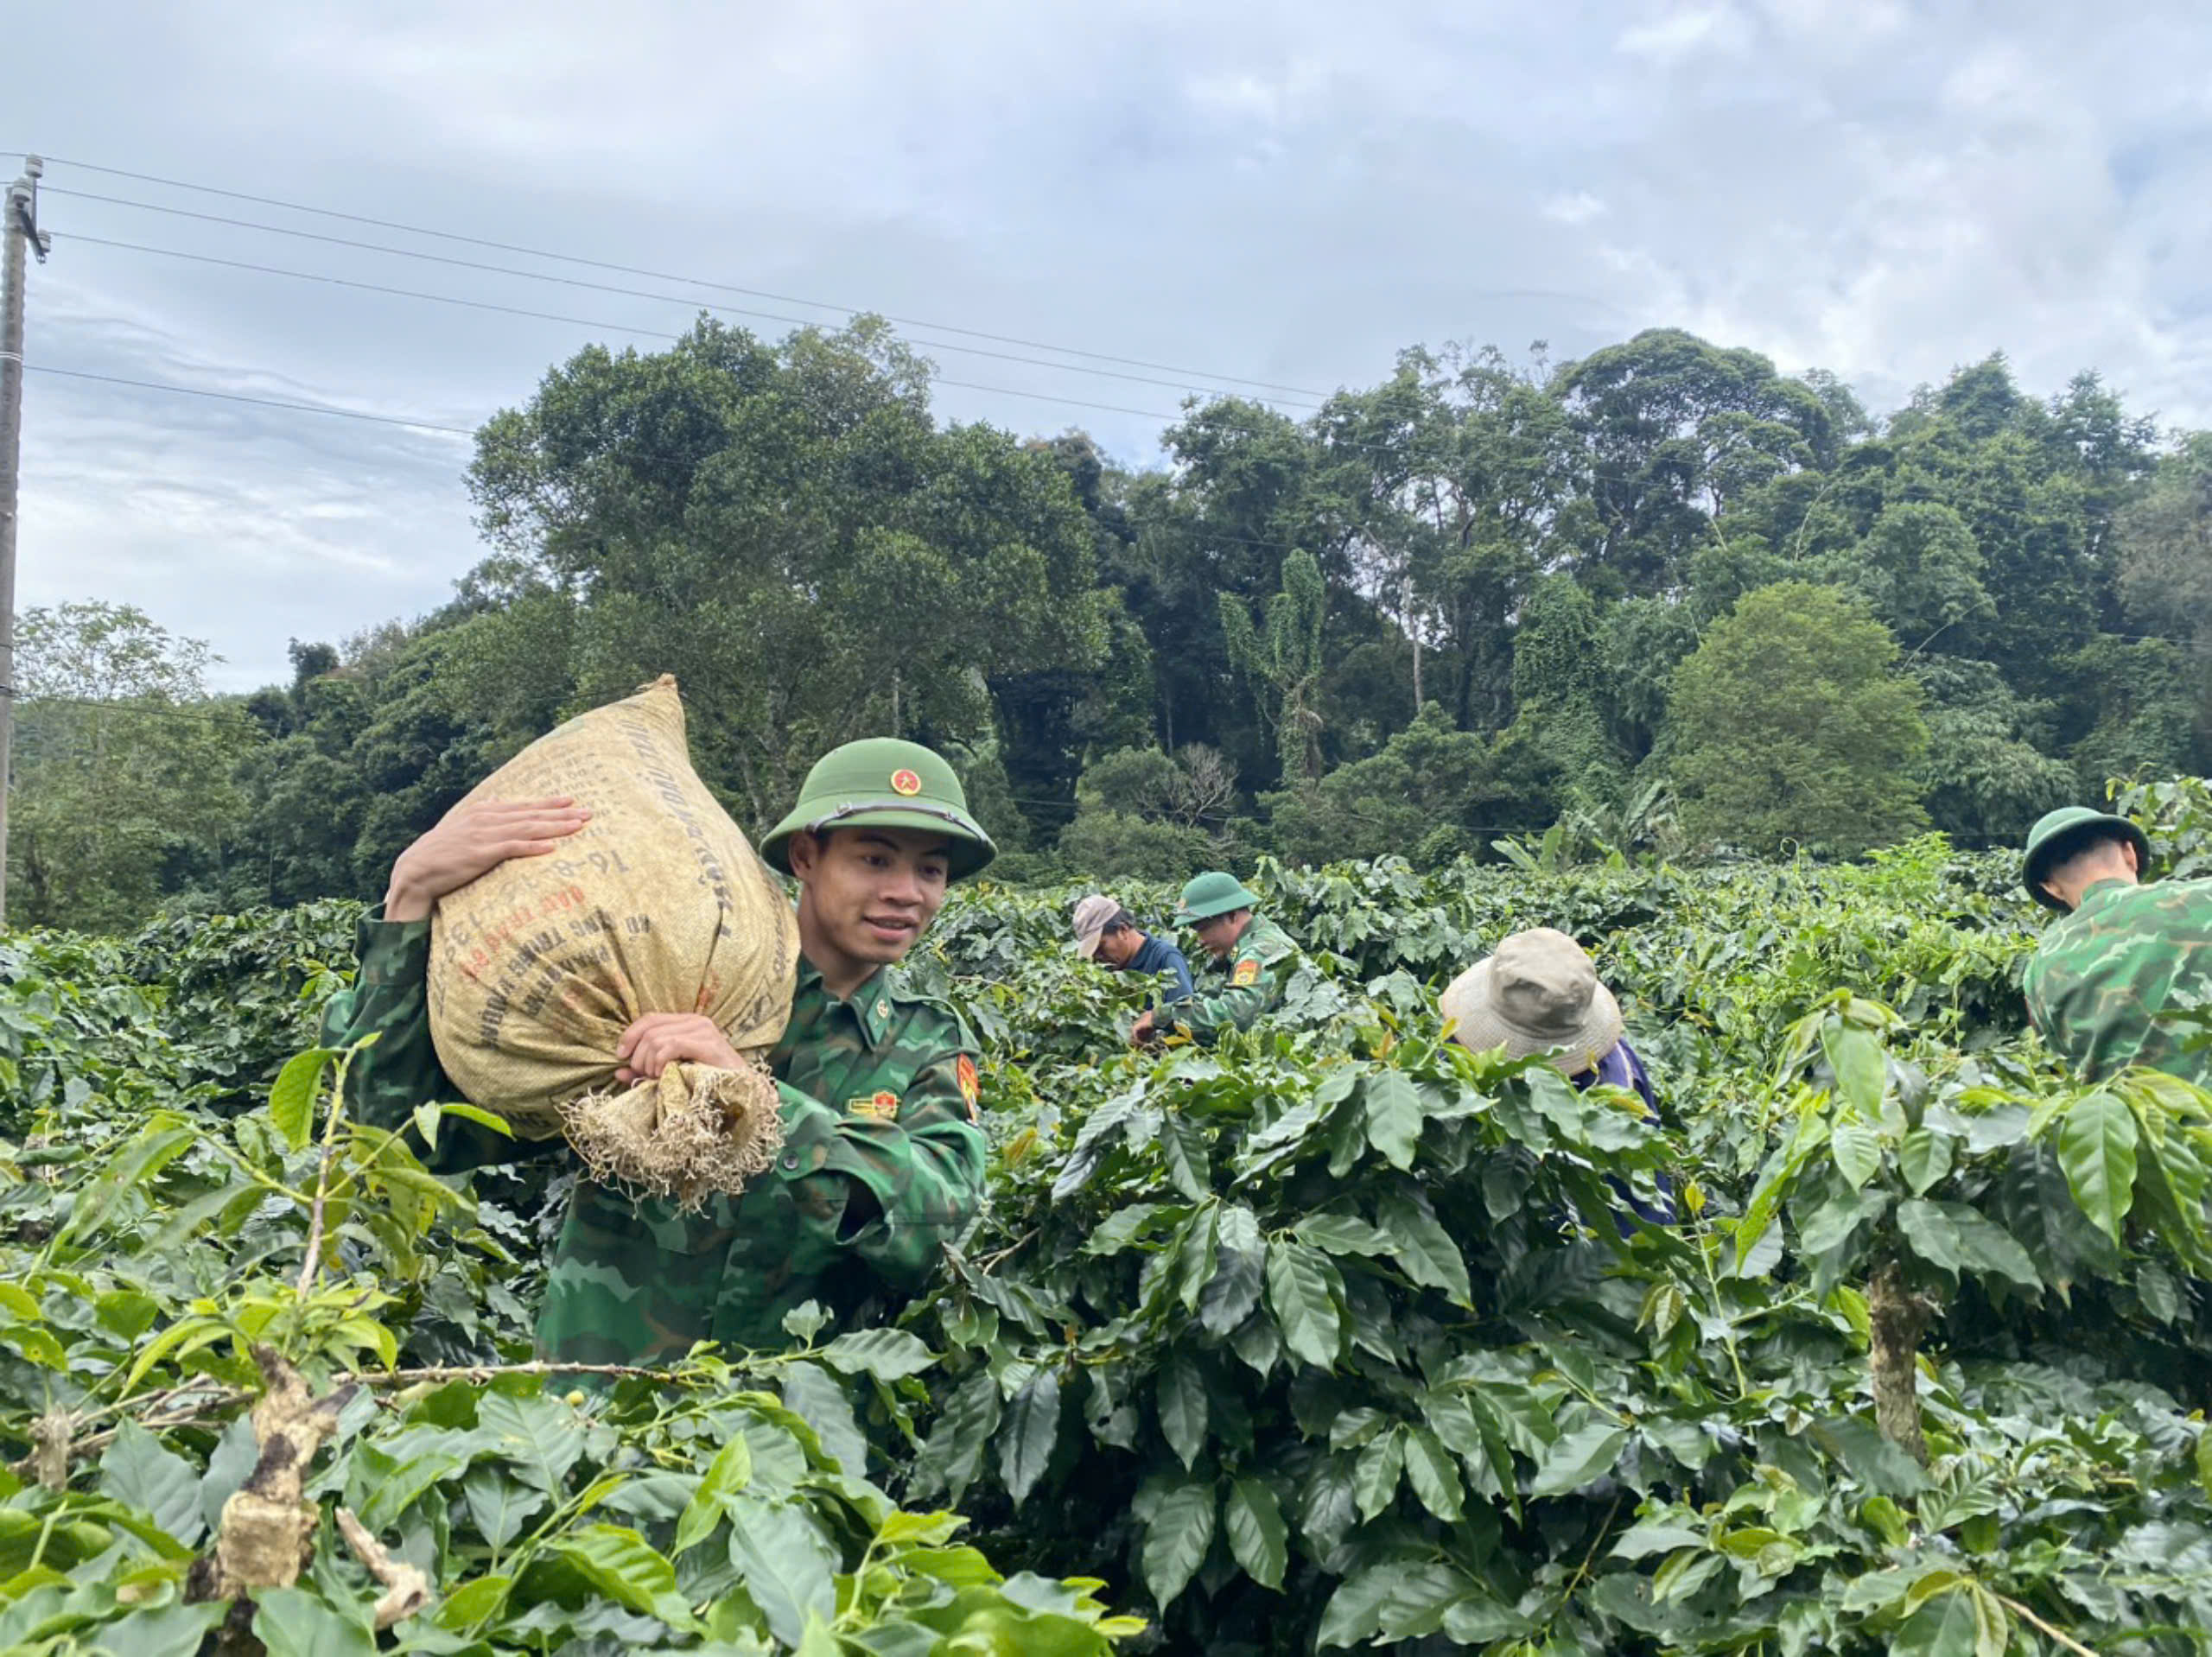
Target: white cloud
{"x":1253,"y":188}
{"x":1572,"y":208}
{"x":1675,"y":35}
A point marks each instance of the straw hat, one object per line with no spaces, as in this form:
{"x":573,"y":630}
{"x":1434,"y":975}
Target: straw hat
{"x":1538,"y":994}
{"x":1090,"y":917}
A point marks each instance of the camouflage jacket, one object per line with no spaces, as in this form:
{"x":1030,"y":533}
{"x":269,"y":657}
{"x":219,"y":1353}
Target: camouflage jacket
{"x":1238,"y":988}
{"x":2101,"y":976}
{"x":882,"y":1164}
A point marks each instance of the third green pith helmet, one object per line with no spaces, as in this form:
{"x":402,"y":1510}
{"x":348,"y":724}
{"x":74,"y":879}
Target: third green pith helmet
{"x":880,"y":782}
{"x":1212,"y":893}
{"x":2058,"y":834}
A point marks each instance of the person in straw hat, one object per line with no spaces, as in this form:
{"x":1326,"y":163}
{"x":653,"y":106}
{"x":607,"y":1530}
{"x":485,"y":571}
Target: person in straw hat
{"x":882,"y":1160}
{"x":1539,"y":993}
{"x":2120,"y":953}
{"x":1107,"y":932}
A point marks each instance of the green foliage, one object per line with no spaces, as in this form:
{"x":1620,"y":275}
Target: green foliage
{"x":1918,"y":571}
{"x":158,"y":1255}
{"x":771,"y":524}
{"x":1534,"y":548}
{"x":122,"y":766}
{"x":1332,"y":1335}
{"x":1790,"y":724}
{"x":1985,"y":774}
{"x":1423,"y":795}
{"x":1390,"y":1307}
{"x":1109,"y":845}
{"x":1283,"y":657}
{"x":1141,"y":815}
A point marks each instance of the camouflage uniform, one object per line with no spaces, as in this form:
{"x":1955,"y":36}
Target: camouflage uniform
{"x":882,"y":1164}
{"x":1236,"y":990}
{"x":2101,"y":975}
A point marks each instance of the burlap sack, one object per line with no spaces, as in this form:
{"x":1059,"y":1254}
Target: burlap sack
{"x":660,"y":904}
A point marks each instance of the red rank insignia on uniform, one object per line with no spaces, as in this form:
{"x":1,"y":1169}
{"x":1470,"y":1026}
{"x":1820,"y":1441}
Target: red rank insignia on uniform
{"x":972,"y":1085}
{"x":1248,"y":972}
{"x":883,"y":1105}
{"x":905,"y":783}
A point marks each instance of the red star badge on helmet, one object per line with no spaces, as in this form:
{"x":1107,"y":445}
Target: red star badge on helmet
{"x":905,"y":783}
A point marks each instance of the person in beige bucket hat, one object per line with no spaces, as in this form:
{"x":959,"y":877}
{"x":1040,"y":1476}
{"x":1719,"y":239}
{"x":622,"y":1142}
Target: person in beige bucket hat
{"x":1539,"y":993}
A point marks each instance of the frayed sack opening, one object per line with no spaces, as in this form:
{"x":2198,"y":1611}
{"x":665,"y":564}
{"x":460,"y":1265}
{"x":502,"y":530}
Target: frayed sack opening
{"x":694,"y":1132}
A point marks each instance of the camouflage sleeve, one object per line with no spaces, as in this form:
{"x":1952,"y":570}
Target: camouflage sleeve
{"x":2040,"y":1011}
{"x":390,"y":999}
{"x":1252,"y":985}
{"x":916,"y":1181}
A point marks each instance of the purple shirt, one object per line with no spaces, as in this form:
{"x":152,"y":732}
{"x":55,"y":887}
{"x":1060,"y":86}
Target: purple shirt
{"x":1620,"y":1068}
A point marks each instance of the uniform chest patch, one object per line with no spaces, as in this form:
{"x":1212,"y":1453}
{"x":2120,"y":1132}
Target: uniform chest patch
{"x":1248,"y":972}
{"x":883,"y":1105}
{"x":972,"y":1085}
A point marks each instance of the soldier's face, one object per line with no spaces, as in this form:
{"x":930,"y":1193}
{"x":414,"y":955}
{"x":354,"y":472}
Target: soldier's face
{"x":869,"y":894}
{"x":1219,"y":935}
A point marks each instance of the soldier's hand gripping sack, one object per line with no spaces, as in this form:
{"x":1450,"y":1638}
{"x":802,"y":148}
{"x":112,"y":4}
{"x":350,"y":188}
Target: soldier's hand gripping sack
{"x":660,"y":904}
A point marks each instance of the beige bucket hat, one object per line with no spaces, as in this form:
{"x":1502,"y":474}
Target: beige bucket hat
{"x":1090,"y":917}
{"x":1538,"y":994}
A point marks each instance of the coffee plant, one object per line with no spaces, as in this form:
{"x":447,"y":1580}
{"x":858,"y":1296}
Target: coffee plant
{"x":1332,"y":1335}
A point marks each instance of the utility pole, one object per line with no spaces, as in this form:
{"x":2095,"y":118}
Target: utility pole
{"x":22,"y":231}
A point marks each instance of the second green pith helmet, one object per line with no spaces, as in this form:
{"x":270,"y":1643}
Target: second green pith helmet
{"x":2059,"y":834}
{"x":882,"y":783}
{"x":1212,"y":893}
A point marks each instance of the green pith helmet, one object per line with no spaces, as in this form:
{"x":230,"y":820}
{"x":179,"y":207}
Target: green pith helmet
{"x":882,"y":783}
{"x":2058,"y":834}
{"x":1210,"y":894}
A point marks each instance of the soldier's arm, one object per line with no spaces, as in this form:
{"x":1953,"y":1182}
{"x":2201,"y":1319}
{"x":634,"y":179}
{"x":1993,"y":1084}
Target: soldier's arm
{"x":916,"y":1181}
{"x":1206,"y":1016}
{"x":390,"y":999}
{"x":2040,"y":1014}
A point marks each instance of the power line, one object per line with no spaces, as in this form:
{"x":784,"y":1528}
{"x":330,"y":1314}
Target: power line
{"x":609,"y":288}
{"x":469,"y":431}
{"x":606,"y":289}
{"x":658,"y":334}
{"x":1313,"y":397}
{"x":588,"y":322}
{"x":261,"y":402}
{"x":370,"y":287}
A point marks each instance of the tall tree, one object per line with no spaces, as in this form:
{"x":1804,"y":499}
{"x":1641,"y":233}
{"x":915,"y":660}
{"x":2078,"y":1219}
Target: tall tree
{"x":786,"y":530}
{"x":1282,"y":657}
{"x":1674,"y":429}
{"x":123,"y":763}
{"x":1791,"y":726}
{"x":2165,"y":541}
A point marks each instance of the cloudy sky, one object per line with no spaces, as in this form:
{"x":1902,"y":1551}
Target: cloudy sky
{"x":1283,"y":192}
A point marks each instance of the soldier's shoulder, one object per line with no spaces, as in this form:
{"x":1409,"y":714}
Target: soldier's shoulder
{"x":1268,"y":940}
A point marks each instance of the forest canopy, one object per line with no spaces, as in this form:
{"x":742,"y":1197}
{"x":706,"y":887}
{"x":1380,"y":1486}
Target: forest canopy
{"x":1478,"y":601}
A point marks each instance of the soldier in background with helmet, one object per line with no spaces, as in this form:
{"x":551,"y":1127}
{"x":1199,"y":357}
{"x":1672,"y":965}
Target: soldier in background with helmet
{"x":882,"y":1161}
{"x":1250,"y":963}
{"x":2121,"y":952}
